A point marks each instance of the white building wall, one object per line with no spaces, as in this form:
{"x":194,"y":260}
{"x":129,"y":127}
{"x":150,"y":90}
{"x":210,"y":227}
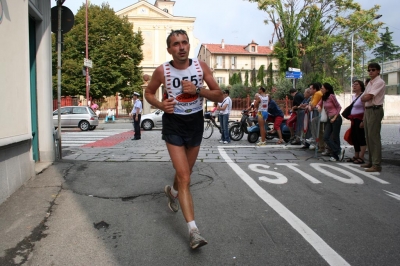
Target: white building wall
{"x":16,"y":162}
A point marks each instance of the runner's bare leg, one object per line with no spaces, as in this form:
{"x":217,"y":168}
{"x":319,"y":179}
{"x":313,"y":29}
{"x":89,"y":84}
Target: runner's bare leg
{"x":183,"y":160}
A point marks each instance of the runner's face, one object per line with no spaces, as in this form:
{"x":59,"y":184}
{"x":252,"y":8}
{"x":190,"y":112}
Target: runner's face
{"x":179,"y":47}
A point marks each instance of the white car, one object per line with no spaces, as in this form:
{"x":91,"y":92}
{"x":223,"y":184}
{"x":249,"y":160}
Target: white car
{"x":151,"y":120}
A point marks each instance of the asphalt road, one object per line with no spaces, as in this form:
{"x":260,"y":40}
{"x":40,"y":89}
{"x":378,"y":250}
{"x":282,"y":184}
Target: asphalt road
{"x":255,"y":206}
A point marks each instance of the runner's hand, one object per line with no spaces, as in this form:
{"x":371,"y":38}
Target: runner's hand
{"x":188,"y":87}
{"x":168,"y":105}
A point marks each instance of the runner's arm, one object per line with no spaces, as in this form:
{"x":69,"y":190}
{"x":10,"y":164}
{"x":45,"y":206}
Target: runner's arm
{"x":150,"y":93}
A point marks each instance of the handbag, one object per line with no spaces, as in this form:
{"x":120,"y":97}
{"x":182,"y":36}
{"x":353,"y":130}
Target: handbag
{"x":347,"y":136}
{"x":347,"y":111}
{"x":324,"y":116}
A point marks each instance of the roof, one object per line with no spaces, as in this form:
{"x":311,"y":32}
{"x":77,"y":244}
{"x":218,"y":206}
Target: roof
{"x":236,"y":49}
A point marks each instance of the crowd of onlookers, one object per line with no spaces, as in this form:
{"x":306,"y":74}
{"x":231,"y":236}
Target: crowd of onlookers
{"x":317,"y":116}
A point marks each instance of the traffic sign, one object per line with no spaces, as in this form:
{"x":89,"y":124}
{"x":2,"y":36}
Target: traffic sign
{"x":294,"y":69}
{"x":294,"y":75}
{"x":87,"y":62}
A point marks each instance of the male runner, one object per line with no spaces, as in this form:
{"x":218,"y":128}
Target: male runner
{"x":183,"y":122}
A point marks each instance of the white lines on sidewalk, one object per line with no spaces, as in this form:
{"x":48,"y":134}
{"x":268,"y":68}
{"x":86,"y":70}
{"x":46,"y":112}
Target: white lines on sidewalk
{"x":393,"y":195}
{"x":327,"y":253}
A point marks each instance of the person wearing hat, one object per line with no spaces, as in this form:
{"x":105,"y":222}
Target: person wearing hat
{"x":136,"y":115}
{"x":298,"y":98}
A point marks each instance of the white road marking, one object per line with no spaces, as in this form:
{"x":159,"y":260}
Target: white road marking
{"x":327,"y":253}
{"x":353,"y":178}
{"x":359,"y":170}
{"x":304,"y":174}
{"x":280,"y":179}
{"x":393,"y":195}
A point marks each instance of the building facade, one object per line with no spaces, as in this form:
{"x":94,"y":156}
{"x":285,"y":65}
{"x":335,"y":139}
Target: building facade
{"x":390,"y":71}
{"x":26,"y":135}
{"x":155,"y":23}
{"x":226,"y":59}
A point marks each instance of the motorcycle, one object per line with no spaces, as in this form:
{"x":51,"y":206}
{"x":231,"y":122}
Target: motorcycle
{"x":238,"y":129}
{"x":254,"y":132}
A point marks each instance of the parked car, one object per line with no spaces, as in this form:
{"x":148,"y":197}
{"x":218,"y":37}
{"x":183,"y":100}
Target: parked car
{"x":151,"y":120}
{"x":77,"y":116}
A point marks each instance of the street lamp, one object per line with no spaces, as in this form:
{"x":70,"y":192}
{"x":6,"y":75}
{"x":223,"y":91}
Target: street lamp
{"x":352,"y":44}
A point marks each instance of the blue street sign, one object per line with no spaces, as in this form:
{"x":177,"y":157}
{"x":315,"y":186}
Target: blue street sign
{"x":294,"y":75}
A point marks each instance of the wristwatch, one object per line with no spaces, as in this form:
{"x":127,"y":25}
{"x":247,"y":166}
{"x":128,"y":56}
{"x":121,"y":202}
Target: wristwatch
{"x":198,"y":90}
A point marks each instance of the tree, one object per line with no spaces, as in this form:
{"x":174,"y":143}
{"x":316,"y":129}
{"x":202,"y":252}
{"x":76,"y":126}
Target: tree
{"x":114,"y":49}
{"x":246,"y":78}
{"x":386,"y":50}
{"x":317,"y":31}
{"x":261,"y":75}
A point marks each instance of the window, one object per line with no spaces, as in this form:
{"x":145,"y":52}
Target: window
{"x":220,"y":80}
{"x":219,"y":61}
{"x":233,"y":62}
{"x":79,"y":110}
{"x":253,"y":62}
{"x":253,"y":48}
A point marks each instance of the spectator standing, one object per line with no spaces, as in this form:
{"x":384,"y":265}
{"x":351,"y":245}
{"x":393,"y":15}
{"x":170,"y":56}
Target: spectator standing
{"x":302,"y":110}
{"x":224,"y":110}
{"x":373,"y":98}
{"x":316,"y":127}
{"x":261,"y":104}
{"x":136,"y":115}
{"x":298,"y":98}
{"x":357,"y":125}
{"x":334,"y":123}
{"x":276,"y":116}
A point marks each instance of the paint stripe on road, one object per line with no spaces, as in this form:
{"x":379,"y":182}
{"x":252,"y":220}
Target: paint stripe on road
{"x":393,"y":195}
{"x":326,"y":252}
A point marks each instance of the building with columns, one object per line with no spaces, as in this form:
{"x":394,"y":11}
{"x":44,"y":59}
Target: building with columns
{"x":26,"y":135}
{"x":156,"y":21}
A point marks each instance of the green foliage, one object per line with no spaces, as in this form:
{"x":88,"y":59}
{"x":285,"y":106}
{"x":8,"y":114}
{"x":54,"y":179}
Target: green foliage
{"x":246,"y":78}
{"x":114,"y":49}
{"x":313,"y":34}
{"x":241,"y":91}
{"x":261,"y":75}
{"x":235,"y":79}
{"x":128,"y":106}
{"x":253,"y":78}
{"x":387,"y":50}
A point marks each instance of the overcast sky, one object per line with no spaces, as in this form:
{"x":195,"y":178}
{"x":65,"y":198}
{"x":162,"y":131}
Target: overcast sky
{"x":238,"y":21}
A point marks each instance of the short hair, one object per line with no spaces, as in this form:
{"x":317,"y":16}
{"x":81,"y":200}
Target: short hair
{"x":374,"y":65}
{"x":361,"y":84}
{"x":262,"y":88}
{"x":176,"y":32}
{"x":226,"y":91}
{"x":317,"y":86}
{"x":292,"y":90}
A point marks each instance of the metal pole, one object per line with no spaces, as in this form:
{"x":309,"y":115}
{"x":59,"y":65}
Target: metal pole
{"x":59,"y":4}
{"x":351,"y":75}
{"x":87,"y":57}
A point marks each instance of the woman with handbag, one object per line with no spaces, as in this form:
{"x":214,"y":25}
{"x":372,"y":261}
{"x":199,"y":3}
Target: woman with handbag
{"x":357,"y":125}
{"x":334,"y":123}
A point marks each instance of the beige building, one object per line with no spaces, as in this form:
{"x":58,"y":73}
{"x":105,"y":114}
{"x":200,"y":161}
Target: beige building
{"x":156,"y":22}
{"x":390,"y":71}
{"x":226,"y":59}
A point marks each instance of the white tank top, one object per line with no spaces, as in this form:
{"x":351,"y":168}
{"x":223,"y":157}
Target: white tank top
{"x":263,"y":106}
{"x":185,"y":103}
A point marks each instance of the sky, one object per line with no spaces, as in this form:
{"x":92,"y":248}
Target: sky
{"x":239,"y":21}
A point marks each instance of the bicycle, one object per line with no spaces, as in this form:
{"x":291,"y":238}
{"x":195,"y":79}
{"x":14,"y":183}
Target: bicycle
{"x":209,"y":124}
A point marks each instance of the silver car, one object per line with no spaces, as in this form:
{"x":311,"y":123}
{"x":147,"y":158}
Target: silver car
{"x":151,"y":120}
{"x":76,"y":116}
